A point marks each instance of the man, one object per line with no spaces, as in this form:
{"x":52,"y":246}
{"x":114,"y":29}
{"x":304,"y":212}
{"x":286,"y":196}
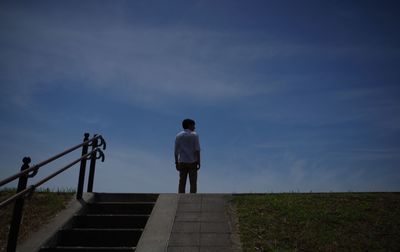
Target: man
{"x":187,"y":155}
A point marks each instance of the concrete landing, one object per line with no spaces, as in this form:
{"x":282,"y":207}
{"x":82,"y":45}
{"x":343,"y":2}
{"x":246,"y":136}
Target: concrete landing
{"x":191,"y":223}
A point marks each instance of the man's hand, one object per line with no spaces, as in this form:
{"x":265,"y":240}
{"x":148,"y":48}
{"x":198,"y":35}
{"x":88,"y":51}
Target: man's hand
{"x":198,"y":165}
{"x":177,"y":166}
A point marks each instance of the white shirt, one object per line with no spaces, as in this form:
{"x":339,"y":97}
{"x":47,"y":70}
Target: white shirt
{"x":186,"y":144}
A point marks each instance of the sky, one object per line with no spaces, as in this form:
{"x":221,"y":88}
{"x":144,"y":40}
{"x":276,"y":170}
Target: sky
{"x":288,"y":96}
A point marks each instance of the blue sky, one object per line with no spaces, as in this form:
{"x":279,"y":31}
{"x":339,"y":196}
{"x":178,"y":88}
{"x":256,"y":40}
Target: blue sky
{"x":287,"y":95}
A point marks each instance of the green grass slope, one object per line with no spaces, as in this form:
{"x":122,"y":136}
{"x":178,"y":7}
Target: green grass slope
{"x":38,"y":210}
{"x":319,"y":222}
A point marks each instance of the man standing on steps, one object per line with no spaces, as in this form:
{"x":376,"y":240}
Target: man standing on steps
{"x":187,"y":155}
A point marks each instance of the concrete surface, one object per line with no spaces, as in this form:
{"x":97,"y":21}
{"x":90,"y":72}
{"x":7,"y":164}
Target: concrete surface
{"x":204,"y":222}
{"x":158,"y":228}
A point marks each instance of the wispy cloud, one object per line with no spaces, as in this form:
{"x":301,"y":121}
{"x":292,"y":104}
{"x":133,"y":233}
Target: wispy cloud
{"x":141,"y":65}
{"x":144,"y":65}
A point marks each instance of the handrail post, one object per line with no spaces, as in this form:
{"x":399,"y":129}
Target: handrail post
{"x":82,"y":168}
{"x":18,"y":208}
{"x":92,"y":166}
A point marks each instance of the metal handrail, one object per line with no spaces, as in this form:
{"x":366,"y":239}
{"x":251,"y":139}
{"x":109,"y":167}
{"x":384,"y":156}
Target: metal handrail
{"x":36,"y":167}
{"x":31,"y":188}
{"x":30,"y":171}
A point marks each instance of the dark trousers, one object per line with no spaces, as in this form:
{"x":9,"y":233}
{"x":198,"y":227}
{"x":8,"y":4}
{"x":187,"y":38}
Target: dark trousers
{"x":186,"y":169}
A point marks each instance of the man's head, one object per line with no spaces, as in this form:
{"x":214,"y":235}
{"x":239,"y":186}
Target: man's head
{"x":189,"y":124}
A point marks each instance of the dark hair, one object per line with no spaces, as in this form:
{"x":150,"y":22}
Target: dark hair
{"x":187,"y":123}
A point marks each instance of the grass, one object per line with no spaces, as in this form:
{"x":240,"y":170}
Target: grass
{"x":38,"y":210}
{"x":319,"y":222}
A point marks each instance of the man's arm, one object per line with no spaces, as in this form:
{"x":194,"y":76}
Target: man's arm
{"x":176,"y":159}
{"x":176,"y":163}
{"x":176,"y":155}
{"x":197,"y":155}
{"x":197,"y":152}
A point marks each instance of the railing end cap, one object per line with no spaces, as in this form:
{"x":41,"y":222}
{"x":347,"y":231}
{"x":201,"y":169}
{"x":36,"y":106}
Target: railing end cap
{"x":26,"y":160}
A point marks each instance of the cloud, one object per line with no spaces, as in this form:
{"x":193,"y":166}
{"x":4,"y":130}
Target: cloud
{"x":373,"y":154}
{"x":140,"y":65}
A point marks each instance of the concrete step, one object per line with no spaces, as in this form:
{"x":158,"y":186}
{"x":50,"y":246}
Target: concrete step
{"x":119,"y":208}
{"x":125,"y":197}
{"x":88,"y":249}
{"x":107,"y":222}
{"x":99,"y":237}
{"x":110,"y":221}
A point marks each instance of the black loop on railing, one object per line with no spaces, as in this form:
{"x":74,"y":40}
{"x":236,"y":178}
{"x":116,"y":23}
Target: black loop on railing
{"x":101,"y":154}
{"x":94,"y":152}
{"x":33,"y":170}
{"x":33,"y":174}
{"x":95,"y":137}
{"x":102,"y":142}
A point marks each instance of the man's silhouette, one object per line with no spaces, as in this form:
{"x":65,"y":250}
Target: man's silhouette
{"x":187,"y":155}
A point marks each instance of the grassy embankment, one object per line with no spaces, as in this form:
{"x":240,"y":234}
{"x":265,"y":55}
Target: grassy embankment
{"x":38,"y":210}
{"x":319,"y":222}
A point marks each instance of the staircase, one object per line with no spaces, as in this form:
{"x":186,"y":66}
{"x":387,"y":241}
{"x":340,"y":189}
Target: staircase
{"x":111,"y":222}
